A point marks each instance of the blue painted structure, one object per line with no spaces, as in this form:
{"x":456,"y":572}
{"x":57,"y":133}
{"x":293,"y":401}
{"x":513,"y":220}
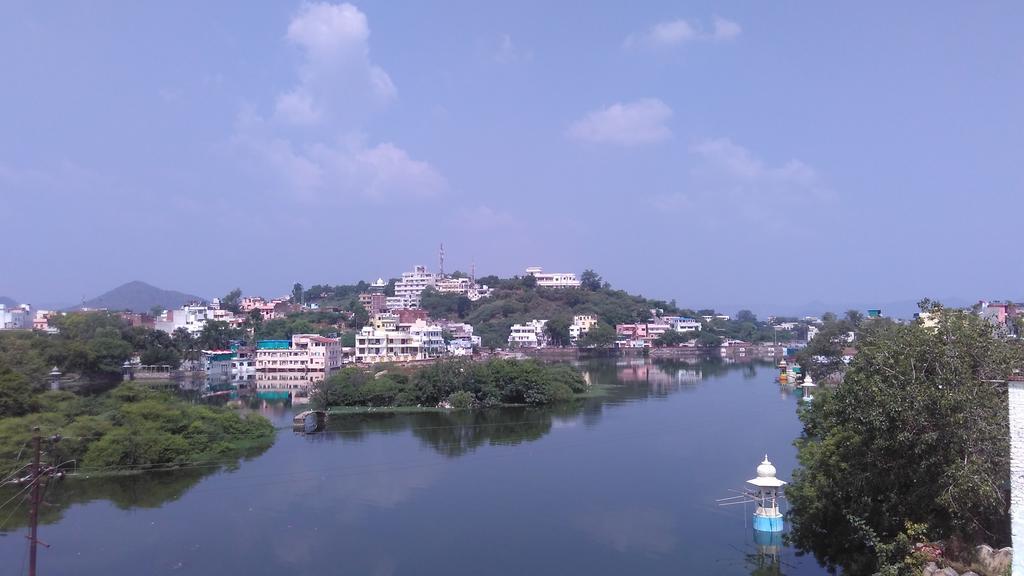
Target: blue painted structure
{"x":767,"y":516}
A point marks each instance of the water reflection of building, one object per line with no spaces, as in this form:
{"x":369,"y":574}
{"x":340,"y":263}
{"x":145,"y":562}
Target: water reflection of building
{"x":659,"y":376}
{"x":769,"y":550}
{"x":292,"y":366}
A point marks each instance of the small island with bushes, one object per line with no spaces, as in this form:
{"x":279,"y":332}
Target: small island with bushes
{"x":455,"y":383}
{"x":131,"y":428}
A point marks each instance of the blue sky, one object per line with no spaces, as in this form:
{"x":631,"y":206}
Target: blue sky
{"x":720,"y":154}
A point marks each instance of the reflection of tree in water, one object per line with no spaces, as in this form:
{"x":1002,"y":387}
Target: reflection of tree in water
{"x":150,"y":489}
{"x":454,"y":433}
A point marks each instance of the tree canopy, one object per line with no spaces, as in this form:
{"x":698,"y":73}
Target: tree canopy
{"x":915,"y":434}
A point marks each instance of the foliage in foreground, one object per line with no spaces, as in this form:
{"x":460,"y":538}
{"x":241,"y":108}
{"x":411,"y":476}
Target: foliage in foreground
{"x":462,"y":383}
{"x":131,"y":428}
{"x":915,"y":434}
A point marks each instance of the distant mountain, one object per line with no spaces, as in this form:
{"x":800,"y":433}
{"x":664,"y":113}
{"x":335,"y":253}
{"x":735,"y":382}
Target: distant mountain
{"x":7,"y":302}
{"x":139,"y":297}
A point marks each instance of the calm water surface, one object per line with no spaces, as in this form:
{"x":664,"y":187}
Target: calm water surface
{"x":622,"y":484}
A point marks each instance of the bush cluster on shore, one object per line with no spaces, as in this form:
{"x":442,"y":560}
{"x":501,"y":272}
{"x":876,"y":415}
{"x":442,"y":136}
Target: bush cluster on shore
{"x":457,"y":383}
{"x":131,"y":428}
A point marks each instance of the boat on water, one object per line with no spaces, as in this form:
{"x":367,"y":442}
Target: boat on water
{"x":309,"y":421}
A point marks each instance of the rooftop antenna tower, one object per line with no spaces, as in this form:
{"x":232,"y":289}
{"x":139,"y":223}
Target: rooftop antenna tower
{"x":441,"y":259}
{"x":472,"y":272}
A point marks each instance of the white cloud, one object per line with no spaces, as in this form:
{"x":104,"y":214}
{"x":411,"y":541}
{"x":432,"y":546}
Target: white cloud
{"x":335,"y":42}
{"x":484,"y":218}
{"x":672,"y":32}
{"x":675,"y":32}
{"x":628,"y":124}
{"x":508,"y":52}
{"x":730,"y":182}
{"x":313,"y":144}
{"x":346,"y":167}
{"x":726,"y":29}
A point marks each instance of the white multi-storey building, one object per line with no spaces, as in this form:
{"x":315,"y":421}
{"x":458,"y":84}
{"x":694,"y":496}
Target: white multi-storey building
{"x":553,"y":279}
{"x":377,"y":345}
{"x":462,"y":286}
{"x":193,"y":318}
{"x":308,"y":358}
{"x":529,"y":335}
{"x":16,"y":318}
{"x":431,"y":340}
{"x":581,"y":324}
{"x":682,"y":324}
{"x":411,"y":285}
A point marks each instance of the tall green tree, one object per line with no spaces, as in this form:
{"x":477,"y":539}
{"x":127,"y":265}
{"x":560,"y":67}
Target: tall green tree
{"x":590,"y":280}
{"x":600,"y":335}
{"x":16,"y":397}
{"x":232,"y":301}
{"x":297,"y":293}
{"x":916,"y":433}
{"x":557,"y":330}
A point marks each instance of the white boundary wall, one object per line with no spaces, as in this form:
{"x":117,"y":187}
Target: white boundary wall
{"x":1016,"y":395}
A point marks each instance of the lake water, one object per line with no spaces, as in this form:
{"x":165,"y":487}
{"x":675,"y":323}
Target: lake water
{"x":621,"y":484}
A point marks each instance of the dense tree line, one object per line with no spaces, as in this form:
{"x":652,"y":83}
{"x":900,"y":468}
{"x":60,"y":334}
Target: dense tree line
{"x":461,"y":383}
{"x":911,"y":444}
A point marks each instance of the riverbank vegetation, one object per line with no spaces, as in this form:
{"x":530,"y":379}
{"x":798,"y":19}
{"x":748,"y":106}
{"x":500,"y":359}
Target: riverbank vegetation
{"x":106,"y":426}
{"x":455,"y":383}
{"x":131,"y":428}
{"x":911,"y":445}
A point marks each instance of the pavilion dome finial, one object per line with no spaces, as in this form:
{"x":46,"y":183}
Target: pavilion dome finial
{"x":766,"y":469}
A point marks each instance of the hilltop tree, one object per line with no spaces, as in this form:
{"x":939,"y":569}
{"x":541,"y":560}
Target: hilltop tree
{"x":232,"y":301}
{"x":916,"y":433}
{"x":590,"y":280}
{"x":297,"y":293}
{"x":746,"y":316}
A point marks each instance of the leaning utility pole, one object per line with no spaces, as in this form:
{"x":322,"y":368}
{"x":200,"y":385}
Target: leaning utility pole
{"x":38,"y":474}
{"x":33,"y":512}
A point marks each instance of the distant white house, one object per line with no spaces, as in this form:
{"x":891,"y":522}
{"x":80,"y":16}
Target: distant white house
{"x":553,"y":279}
{"x":16,"y":318}
{"x":581,"y":324}
{"x":529,"y":335}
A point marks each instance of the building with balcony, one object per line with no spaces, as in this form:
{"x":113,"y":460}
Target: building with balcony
{"x":553,"y":279}
{"x":412,"y":284}
{"x":682,"y":324}
{"x":378,"y":345}
{"x":529,"y":335}
{"x":299,"y":362}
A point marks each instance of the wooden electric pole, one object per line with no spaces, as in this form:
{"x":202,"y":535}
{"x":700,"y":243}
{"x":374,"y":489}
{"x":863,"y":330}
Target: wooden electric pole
{"x":37,"y":476}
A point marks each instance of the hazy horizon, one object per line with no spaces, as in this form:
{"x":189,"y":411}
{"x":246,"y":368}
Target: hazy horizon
{"x":722,"y":155}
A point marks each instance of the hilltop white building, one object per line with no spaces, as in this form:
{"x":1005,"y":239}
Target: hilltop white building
{"x":553,"y":279}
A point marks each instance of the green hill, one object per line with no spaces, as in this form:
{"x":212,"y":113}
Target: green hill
{"x":518,"y":300}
